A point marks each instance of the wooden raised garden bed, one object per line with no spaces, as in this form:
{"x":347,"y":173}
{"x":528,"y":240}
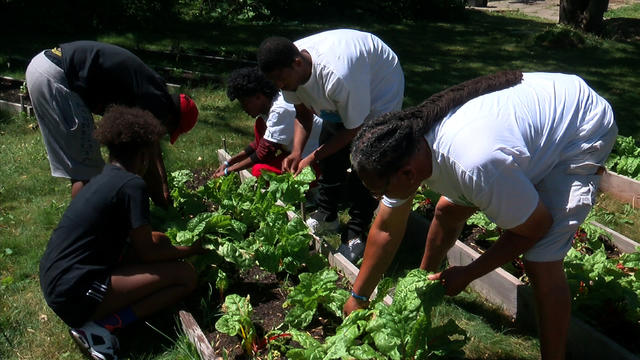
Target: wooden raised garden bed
{"x":516,"y":298}
{"x":11,"y":97}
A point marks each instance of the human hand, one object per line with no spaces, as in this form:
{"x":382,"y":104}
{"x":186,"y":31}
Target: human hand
{"x":218,"y":173}
{"x":304,"y":163}
{"x":353,"y":304}
{"x":454,"y":279}
{"x":290,"y":163}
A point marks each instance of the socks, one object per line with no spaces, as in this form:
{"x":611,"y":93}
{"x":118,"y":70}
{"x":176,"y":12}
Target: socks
{"x":118,"y":319}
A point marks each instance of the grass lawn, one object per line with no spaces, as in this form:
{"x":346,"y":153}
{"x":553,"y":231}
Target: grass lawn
{"x":434,"y":56}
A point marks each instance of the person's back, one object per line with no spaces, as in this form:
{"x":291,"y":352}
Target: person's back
{"x":544,"y":121}
{"x":105,"y":74}
{"x":93,"y":231}
{"x":353,"y":65}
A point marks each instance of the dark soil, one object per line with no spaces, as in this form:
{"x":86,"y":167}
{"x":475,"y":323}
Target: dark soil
{"x":267,"y":295}
{"x":10,"y":91}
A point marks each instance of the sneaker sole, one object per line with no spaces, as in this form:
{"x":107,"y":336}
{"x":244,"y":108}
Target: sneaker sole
{"x":85,"y":348}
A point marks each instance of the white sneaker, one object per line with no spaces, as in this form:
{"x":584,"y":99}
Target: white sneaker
{"x":353,"y":249}
{"x":316,"y":222}
{"x":95,"y":341}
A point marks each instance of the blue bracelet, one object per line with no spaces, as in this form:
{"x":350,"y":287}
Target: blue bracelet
{"x":226,"y":171}
{"x":226,"y":163}
{"x":359,"y":297}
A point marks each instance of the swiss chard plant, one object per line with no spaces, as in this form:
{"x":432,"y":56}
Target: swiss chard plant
{"x":402,"y":330}
{"x":314,"y":290}
{"x":625,"y":157}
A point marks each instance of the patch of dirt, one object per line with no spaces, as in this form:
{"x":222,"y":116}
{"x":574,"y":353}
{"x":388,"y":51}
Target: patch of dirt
{"x":267,"y":294}
{"x":546,"y":9}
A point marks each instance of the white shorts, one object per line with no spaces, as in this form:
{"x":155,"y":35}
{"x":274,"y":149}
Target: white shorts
{"x":569,"y":193}
{"x":65,"y":122}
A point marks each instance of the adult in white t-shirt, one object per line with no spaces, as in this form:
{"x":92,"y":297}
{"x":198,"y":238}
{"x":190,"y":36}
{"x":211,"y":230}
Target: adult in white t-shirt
{"x":346,"y":77}
{"x":273,"y":128}
{"x":528,"y":153}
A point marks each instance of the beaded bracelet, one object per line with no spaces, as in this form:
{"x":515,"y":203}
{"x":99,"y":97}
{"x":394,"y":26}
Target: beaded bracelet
{"x":359,"y":297}
{"x":226,"y":163}
{"x":226,"y":171}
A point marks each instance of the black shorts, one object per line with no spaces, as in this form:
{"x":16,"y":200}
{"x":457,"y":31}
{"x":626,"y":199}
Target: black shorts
{"x":79,"y":307}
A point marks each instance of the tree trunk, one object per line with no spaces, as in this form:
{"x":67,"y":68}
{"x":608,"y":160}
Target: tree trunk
{"x":583,"y":14}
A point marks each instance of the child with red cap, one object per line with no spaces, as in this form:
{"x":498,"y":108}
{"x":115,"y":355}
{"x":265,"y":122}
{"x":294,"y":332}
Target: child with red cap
{"x":75,"y":80}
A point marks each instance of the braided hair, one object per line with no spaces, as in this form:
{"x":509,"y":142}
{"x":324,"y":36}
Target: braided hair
{"x":384,"y":144}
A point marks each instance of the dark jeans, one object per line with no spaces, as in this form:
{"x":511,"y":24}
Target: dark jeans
{"x":332,"y":185}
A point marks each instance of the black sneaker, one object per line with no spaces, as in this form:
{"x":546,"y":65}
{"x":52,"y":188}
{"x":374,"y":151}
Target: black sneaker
{"x":95,"y":341}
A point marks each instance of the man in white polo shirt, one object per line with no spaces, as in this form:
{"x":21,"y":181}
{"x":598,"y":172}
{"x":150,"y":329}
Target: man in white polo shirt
{"x":526,"y":149}
{"x":346,"y":77}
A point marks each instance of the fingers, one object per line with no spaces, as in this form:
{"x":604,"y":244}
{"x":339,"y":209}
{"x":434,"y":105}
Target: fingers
{"x":435,"y":276}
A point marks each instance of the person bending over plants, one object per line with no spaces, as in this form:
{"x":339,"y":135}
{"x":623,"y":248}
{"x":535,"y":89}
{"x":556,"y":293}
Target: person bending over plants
{"x":104,"y":267}
{"x":70,"y":82}
{"x":525,"y":149}
{"x":347,"y":77}
{"x":273,"y":128}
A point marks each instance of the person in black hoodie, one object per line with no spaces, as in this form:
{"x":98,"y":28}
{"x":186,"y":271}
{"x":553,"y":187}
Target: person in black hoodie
{"x":69,"y":83}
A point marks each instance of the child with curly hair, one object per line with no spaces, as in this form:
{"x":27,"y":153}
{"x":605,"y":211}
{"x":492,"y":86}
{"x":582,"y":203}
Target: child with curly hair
{"x":274,"y":126}
{"x":104,"y":267}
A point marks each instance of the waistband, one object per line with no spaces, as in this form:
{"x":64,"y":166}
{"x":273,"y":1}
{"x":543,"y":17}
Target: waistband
{"x":55,"y":56}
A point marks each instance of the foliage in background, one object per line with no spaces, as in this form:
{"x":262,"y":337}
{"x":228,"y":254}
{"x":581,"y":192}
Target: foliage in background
{"x":625,"y":157}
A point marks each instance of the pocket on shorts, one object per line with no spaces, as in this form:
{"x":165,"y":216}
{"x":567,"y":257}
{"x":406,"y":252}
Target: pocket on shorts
{"x":583,"y":192}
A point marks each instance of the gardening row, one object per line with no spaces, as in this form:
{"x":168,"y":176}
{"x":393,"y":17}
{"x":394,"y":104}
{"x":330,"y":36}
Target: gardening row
{"x":251,"y":229}
{"x":602,"y":282}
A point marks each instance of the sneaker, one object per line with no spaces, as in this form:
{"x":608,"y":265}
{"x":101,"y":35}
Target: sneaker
{"x":318,"y":224}
{"x":353,"y":249}
{"x":95,"y":341}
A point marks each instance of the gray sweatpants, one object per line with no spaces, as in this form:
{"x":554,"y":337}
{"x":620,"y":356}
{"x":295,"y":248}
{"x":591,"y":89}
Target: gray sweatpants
{"x":65,"y":122}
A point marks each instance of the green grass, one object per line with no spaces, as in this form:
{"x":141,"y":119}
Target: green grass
{"x":630,"y":11}
{"x":620,"y":217}
{"x":434,"y":56}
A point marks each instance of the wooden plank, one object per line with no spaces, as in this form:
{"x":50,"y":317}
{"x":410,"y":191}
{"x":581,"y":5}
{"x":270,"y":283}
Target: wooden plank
{"x":620,"y":241}
{"x":196,"y":336}
{"x":498,"y":287}
{"x":621,"y":187}
{"x":585,"y":342}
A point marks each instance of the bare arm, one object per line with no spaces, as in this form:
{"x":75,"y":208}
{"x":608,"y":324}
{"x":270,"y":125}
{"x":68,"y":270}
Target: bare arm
{"x":447,"y":223}
{"x":511,"y":243}
{"x":302,"y":129}
{"x":383,"y":241}
{"x":238,"y":162}
{"x":156,"y":179}
{"x":155,"y":246}
{"x":339,"y":140}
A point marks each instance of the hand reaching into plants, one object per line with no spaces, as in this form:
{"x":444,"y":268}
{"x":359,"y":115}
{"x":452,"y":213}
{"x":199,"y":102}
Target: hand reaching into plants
{"x":353,"y":304}
{"x":454,"y":279}
{"x":291,"y":163}
{"x":310,"y":159}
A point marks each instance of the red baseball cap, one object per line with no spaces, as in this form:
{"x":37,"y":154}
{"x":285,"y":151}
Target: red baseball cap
{"x":188,"y":117}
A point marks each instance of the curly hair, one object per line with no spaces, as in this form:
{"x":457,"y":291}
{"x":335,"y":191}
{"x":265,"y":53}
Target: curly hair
{"x":249,"y":81}
{"x":276,"y":53}
{"x":384,"y":144}
{"x":125,"y":131}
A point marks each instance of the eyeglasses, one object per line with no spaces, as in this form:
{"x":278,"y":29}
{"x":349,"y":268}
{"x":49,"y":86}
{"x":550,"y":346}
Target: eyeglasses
{"x":377,"y":194}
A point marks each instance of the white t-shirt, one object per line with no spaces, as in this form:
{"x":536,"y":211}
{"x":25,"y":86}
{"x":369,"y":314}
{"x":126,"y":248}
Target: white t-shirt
{"x":490,"y":152}
{"x":354,"y":76}
{"x":280,"y":126}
